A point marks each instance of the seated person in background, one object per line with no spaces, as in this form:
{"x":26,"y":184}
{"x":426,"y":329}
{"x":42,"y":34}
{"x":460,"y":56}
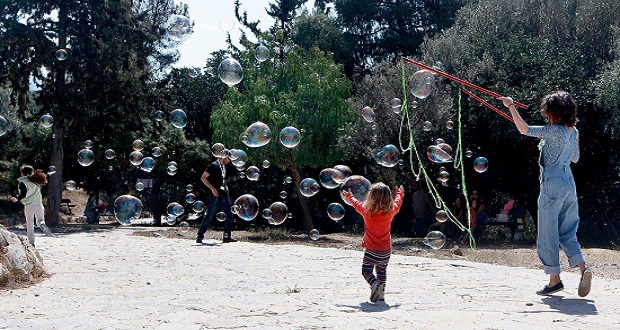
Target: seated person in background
{"x":508,"y":206}
{"x":457,"y":210}
{"x":92,"y":208}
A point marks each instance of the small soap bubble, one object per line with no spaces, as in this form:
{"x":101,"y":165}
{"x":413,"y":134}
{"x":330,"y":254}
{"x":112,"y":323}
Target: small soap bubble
{"x":216,"y":150}
{"x":258,"y":134}
{"x":441,"y":216}
{"x":156,"y":152}
{"x":184,"y":226}
{"x":438,"y":66}
{"x":135,"y":158}
{"x":388,"y":156}
{"x":314,"y":234}
{"x":70,"y":185}
{"x":88,"y":144}
{"x":261,"y":53}
{"x":190,"y":198}
{"x":241,"y":158}
{"x":248,"y":207}
{"x":266,"y":213}
{"x":85,"y":157}
{"x":368,"y":114}
{"x":335,"y":211}
{"x":358,"y":185}
{"x":178,"y":118}
{"x":138,"y":145}
{"x":47,"y":120}
{"x":61,"y":54}
{"x":283,"y":194}
{"x":396,"y":105}
{"x":234,"y":209}
{"x":109,"y":154}
{"x":481,"y":164}
{"x":172,"y":171}
{"x":290,"y":137}
{"x":139,"y":186}
{"x":288,"y":179}
{"x":331,"y":178}
{"x":230,"y":72}
{"x":148,"y":164}
{"x":279,"y":212}
{"x":253,"y":173}
{"x":427,"y":126}
{"x":444,"y":176}
{"x":309,"y":187}
{"x":220,"y":216}
{"x":193,"y":72}
{"x":242,"y":175}
{"x":159,"y":115}
{"x":171,"y":220}
{"x":179,"y":28}
{"x":439,"y":141}
{"x":126,"y":208}
{"x":51,"y":170}
{"x":266,"y":164}
{"x":435,"y":239}
{"x":175,"y":209}
{"x":413,"y":104}
{"x":438,"y":155}
{"x":449,"y":124}
{"x":469,"y":153}
{"x":189,"y":188}
{"x":345,"y":170}
{"x":198,"y":206}
{"x":422,"y":84}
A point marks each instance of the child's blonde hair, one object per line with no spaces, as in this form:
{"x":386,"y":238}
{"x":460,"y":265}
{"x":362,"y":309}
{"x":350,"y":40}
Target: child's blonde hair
{"x":379,"y":199}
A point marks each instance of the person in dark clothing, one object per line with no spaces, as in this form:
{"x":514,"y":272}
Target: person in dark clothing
{"x":214,"y":177}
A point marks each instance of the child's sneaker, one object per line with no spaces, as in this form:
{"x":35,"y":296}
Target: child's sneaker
{"x":377,"y":288}
{"x":46,"y":230}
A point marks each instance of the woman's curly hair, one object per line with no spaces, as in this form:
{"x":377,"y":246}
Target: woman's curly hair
{"x":559,"y":108}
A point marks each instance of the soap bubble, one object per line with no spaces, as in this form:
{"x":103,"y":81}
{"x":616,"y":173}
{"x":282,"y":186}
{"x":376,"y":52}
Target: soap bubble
{"x":189,"y":188}
{"x":230,"y":71}
{"x":283,"y":194}
{"x":4,"y":126}
{"x":70,"y":185}
{"x":220,"y":216}
{"x":138,"y":145}
{"x":171,"y":220}
{"x":290,"y":137}
{"x":441,"y":216}
{"x":335,"y":211}
{"x":156,"y":152}
{"x":109,"y":154}
{"x":159,"y":115}
{"x":438,"y":155}
{"x":171,"y":171}
{"x":226,"y":153}
{"x":178,"y":118}
{"x":241,"y":159}
{"x":444,"y":176}
{"x":253,"y":173}
{"x":175,"y":209}
{"x":288,"y":179}
{"x":127,"y":207}
{"x":449,"y":124}
{"x":139,"y":186}
{"x":266,"y":213}
{"x":439,"y":141}
{"x":309,"y":187}
{"x":261,"y":53}
{"x":247,"y":206}
{"x":173,"y":164}
{"x":193,"y":72}
{"x":51,"y":170}
{"x":85,"y":157}
{"x":88,"y":144}
{"x":388,"y":156}
{"x":345,"y":170}
{"x":422,"y":84}
{"x":469,"y":153}
{"x":258,"y":134}
{"x":413,"y":104}
{"x":438,"y":66}
{"x":61,"y":54}
{"x":435,"y":240}
{"x":216,"y":150}
{"x":198,"y":206}
{"x":266,"y":164}
{"x":179,"y":28}
{"x":396,"y":105}
{"x":331,"y":178}
{"x":314,"y":234}
{"x":242,"y":174}
{"x":47,"y":120}
{"x":135,"y":158}
{"x":279,"y":212}
{"x":148,"y":163}
{"x":481,"y":164}
{"x":368,"y":114}
{"x":358,"y":185}
{"x":427,"y":126}
{"x":184,"y":226}
{"x":190,"y":198}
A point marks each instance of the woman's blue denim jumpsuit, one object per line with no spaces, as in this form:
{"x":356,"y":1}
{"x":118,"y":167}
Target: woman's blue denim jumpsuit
{"x":558,"y":216}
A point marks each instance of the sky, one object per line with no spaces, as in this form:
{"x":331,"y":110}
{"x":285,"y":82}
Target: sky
{"x":212,"y":20}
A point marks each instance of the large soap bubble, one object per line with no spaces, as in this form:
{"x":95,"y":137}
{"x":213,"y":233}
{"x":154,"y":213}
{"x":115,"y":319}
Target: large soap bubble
{"x":179,"y":28}
{"x":278,"y":211}
{"x":148,"y":163}
{"x":437,"y":155}
{"x":230,"y":71}
{"x":331,"y":178}
{"x":261,"y":53}
{"x":247,"y":206}
{"x":335,"y":211}
{"x":4,"y":126}
{"x":368,"y":114}
{"x":256,"y":135}
{"x":178,"y":118}
{"x":135,"y":158}
{"x":85,"y":157}
{"x":422,"y":84}
{"x":47,"y":120}
{"x":309,"y":187}
{"x":217,"y":149}
{"x":290,"y":136}
{"x":345,"y":170}
{"x":388,"y":156}
{"x":358,"y":185}
{"x":481,"y":164}
{"x":127,"y":207}
{"x":435,"y":239}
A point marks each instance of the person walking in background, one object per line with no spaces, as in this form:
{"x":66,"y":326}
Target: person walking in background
{"x":29,"y":187}
{"x":421,"y":211}
{"x":378,"y":212}
{"x":214,"y":177}
{"x":92,"y":208}
{"x":558,"y":217}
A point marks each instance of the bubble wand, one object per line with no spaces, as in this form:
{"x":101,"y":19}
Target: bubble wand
{"x":479,"y":99}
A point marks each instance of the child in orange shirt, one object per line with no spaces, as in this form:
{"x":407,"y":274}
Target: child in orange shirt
{"x":378,"y":212}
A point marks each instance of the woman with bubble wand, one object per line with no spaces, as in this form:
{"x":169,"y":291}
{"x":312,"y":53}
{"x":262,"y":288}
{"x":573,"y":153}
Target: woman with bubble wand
{"x":558,"y":216}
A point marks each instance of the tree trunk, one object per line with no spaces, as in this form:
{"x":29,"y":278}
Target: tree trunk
{"x":308,"y":224}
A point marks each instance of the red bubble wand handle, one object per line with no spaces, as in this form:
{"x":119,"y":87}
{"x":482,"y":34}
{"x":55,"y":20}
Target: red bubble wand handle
{"x":461,"y":81}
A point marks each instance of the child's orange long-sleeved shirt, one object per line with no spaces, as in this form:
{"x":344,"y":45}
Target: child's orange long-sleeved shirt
{"x":377,"y":227}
